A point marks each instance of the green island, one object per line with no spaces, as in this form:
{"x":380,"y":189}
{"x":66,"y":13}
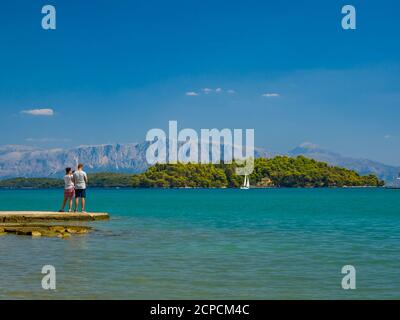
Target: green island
{"x":280,"y":171}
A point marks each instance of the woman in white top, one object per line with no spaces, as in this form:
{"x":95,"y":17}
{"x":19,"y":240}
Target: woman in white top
{"x":69,"y":190}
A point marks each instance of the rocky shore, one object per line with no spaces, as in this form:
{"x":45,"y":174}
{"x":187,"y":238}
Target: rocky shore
{"x":46,"y":224}
{"x":43,"y":230}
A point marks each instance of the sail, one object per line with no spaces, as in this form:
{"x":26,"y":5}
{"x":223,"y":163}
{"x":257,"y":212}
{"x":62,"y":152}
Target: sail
{"x":245,"y":182}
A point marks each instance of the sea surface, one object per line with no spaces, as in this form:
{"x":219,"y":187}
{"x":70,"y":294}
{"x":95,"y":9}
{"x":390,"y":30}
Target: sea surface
{"x":212,"y":244}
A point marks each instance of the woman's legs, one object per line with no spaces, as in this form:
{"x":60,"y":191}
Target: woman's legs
{"x":64,"y":202}
{"x":70,"y":204}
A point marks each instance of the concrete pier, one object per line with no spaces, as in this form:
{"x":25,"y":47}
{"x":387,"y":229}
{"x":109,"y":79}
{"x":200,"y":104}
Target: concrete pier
{"x":49,"y":216}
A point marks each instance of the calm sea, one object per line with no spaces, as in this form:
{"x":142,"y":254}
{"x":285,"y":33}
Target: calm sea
{"x":231,"y":244}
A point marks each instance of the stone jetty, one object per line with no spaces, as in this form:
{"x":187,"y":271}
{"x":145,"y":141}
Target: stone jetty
{"x":37,"y":216}
{"x":46,"y":223}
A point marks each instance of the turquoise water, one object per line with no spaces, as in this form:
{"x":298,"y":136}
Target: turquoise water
{"x":231,"y":244}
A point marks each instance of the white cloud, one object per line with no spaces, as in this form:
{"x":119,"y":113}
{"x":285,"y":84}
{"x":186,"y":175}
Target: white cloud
{"x":270,"y":95}
{"x":207,"y":90}
{"x":39,"y":112}
{"x":192,"y":93}
{"x":308,"y":145}
{"x":387,"y":136}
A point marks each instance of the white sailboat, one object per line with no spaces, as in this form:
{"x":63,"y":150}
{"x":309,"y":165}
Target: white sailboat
{"x":246,"y":183}
{"x":395,"y":184}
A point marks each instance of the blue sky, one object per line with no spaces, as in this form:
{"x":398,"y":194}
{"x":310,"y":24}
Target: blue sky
{"x":112,"y":70}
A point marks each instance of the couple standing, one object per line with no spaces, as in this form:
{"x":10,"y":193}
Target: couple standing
{"x":75,"y":185}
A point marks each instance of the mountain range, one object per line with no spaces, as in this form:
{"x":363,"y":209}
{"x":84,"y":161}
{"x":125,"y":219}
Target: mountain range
{"x":362,"y":166}
{"x":27,"y":161}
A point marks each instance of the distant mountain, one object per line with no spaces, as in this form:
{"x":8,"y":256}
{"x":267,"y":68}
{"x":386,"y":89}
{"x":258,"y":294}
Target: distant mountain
{"x":26,"y":161}
{"x":20,"y":161}
{"x":14,"y":148}
{"x":362,"y":166}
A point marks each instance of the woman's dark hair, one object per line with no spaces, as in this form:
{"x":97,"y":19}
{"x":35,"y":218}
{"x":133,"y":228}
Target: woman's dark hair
{"x":67,"y":170}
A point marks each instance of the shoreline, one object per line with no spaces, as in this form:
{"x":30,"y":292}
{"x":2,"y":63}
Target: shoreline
{"x":211,"y":188}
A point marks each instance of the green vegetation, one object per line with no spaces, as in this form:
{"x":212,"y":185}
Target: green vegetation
{"x":110,"y":179}
{"x":181,"y":176}
{"x":39,"y":183}
{"x":280,"y":171}
{"x":104,"y":180}
{"x":305,"y":172}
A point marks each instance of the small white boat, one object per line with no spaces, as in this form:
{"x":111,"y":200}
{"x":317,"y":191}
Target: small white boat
{"x":246,"y":183}
{"x":396,"y":183}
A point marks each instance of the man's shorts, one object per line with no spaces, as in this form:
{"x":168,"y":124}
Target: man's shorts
{"x":80,"y":193}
